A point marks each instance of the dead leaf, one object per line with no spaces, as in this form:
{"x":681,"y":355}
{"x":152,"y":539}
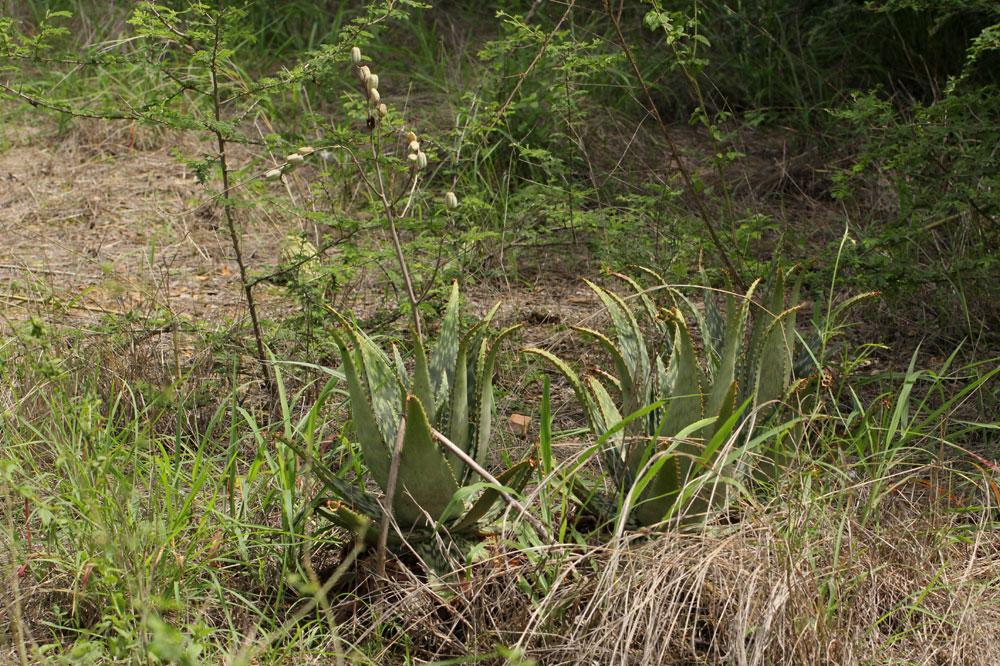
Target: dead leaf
{"x":520,"y":423}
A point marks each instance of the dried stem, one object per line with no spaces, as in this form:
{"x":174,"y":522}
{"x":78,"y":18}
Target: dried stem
{"x":228,"y":209}
{"x":540,"y":528}
{"x":390,"y":494}
{"x":674,"y":152}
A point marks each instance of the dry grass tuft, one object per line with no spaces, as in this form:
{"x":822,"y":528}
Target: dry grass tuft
{"x":796,"y":585}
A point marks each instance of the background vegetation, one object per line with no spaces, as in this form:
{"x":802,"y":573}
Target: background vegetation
{"x":194,"y":188}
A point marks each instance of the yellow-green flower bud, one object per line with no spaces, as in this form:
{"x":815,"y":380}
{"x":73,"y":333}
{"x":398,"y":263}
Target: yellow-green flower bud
{"x":375,"y":97}
{"x":305,"y":151}
{"x":414,"y":146}
{"x":364,"y":73}
{"x":451,"y":201}
{"x":412,"y":157}
{"x":372,"y":81}
{"x":355,"y":55}
{"x":421,"y":160}
{"x":382,"y":110}
{"x":410,"y":137}
{"x":272,"y":175}
{"x":294,"y":159}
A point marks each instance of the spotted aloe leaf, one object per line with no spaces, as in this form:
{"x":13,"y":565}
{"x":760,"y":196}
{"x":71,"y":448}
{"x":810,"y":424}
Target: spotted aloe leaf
{"x":422,"y":386}
{"x":442,"y":363}
{"x":630,"y":338}
{"x":373,"y":445}
{"x":460,"y":428}
{"x":731,"y":347}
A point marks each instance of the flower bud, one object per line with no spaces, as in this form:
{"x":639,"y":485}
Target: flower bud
{"x":412,"y":157}
{"x":410,"y":137}
{"x":364,"y":73}
{"x":355,"y":55}
{"x":382,"y":110}
{"x":272,"y":175}
{"x":375,"y":97}
{"x":451,"y":201}
{"x":305,"y":151}
{"x":372,"y":81}
{"x":421,"y":160}
{"x":414,"y":146}
{"x":294,"y":159}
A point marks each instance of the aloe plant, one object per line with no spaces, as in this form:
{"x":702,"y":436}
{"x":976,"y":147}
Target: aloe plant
{"x":689,"y":404}
{"x":450,"y":394}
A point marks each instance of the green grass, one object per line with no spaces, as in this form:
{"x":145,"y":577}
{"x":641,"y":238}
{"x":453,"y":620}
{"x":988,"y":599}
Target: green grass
{"x":130,"y":536}
{"x":149,"y":512}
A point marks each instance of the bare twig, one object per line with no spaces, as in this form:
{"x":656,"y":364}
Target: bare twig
{"x":674,"y":152}
{"x":540,"y":529}
{"x":390,"y":494}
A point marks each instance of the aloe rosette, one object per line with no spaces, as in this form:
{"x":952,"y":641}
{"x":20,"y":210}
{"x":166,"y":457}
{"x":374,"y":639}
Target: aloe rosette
{"x":450,"y":393}
{"x":681,"y":448}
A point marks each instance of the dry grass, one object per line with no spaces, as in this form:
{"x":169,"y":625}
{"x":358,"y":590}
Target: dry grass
{"x":799,"y":583}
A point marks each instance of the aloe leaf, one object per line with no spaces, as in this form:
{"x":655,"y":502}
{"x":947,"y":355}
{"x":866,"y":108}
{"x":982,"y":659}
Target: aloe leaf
{"x":373,"y":447}
{"x":574,"y":381}
{"x":425,"y":483}
{"x":793,"y":306}
{"x":422,"y":381}
{"x":624,"y":375}
{"x":657,"y":490}
{"x":347,"y":492}
{"x":383,"y":386}
{"x":774,"y":364}
{"x":848,"y":304}
{"x":642,"y":294}
{"x":545,"y":428}
{"x":686,"y":407}
{"x":514,"y":479}
{"x":715,"y":328}
{"x":401,"y":372}
{"x":485,"y":397}
{"x":442,"y":364}
{"x":649,"y":272}
{"x":726,"y":408}
{"x":762,"y":318}
{"x":460,"y":428}
{"x":341,"y":514}
{"x":726,"y":372}
{"x":808,"y":361}
{"x":630,"y":340}
{"x":686,"y":404}
{"x":615,"y":452}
